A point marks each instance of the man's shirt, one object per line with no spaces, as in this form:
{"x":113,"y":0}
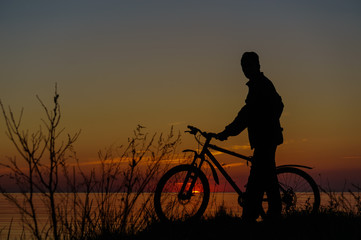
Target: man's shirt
{"x":260,"y":115}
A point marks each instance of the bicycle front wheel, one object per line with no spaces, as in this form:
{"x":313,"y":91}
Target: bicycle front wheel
{"x":182,"y":194}
{"x":298,"y":190}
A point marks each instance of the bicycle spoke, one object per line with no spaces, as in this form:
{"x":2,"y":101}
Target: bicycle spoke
{"x":179,"y":197}
{"x":298,"y":190}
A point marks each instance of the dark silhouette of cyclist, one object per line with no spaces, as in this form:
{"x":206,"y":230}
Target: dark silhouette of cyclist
{"x":260,"y":115}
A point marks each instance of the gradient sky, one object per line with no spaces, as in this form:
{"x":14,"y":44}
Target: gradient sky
{"x":161,"y":63}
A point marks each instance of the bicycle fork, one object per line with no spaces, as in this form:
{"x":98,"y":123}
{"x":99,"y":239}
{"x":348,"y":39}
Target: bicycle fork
{"x":192,"y":176}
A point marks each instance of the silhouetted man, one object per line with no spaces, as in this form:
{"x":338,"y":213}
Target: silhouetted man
{"x":260,"y":116}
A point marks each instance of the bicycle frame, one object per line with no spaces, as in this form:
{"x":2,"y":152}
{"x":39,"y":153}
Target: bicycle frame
{"x":205,"y":152}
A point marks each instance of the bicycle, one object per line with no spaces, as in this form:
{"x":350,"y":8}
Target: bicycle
{"x":183,"y":192}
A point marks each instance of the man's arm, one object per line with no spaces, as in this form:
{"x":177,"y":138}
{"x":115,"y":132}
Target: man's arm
{"x":237,"y":126}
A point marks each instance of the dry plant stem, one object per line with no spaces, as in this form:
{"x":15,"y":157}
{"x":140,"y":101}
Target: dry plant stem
{"x":42,"y":174}
{"x":31,"y":150}
{"x":50,"y":177}
{"x":93,"y":203}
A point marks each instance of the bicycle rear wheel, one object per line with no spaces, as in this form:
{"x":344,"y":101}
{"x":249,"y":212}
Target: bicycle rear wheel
{"x":298,"y":190}
{"x":182,"y":194}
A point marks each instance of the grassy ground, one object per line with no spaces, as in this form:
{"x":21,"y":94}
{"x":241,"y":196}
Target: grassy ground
{"x":297,"y":226}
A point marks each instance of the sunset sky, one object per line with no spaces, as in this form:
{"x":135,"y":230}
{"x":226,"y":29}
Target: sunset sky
{"x":162,"y":63}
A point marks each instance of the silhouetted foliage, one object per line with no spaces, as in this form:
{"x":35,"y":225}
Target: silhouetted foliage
{"x":109,"y":198}
{"x":44,"y":159}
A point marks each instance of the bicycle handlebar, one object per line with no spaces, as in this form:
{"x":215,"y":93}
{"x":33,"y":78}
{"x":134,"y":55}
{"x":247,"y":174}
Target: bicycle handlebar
{"x":193,"y":130}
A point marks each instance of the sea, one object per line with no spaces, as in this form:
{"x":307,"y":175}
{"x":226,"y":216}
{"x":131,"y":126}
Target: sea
{"x":12,"y":225}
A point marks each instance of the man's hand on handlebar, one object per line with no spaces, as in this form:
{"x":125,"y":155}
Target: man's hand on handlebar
{"x":219,"y":136}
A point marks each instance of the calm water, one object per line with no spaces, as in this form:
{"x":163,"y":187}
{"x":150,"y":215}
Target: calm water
{"x":10,"y":214}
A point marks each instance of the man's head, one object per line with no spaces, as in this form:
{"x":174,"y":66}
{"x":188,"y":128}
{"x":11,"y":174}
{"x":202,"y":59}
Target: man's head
{"x":250,"y":64}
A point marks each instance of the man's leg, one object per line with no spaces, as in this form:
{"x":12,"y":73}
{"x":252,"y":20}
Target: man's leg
{"x":255,"y":190}
{"x":262,"y":179}
{"x":271,"y":184}
{"x":274,"y":198}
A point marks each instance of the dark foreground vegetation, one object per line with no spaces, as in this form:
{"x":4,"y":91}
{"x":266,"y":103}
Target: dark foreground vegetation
{"x":108,"y":200}
{"x":224,"y":226}
{"x":322,"y":226}
{"x":81,"y":202}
